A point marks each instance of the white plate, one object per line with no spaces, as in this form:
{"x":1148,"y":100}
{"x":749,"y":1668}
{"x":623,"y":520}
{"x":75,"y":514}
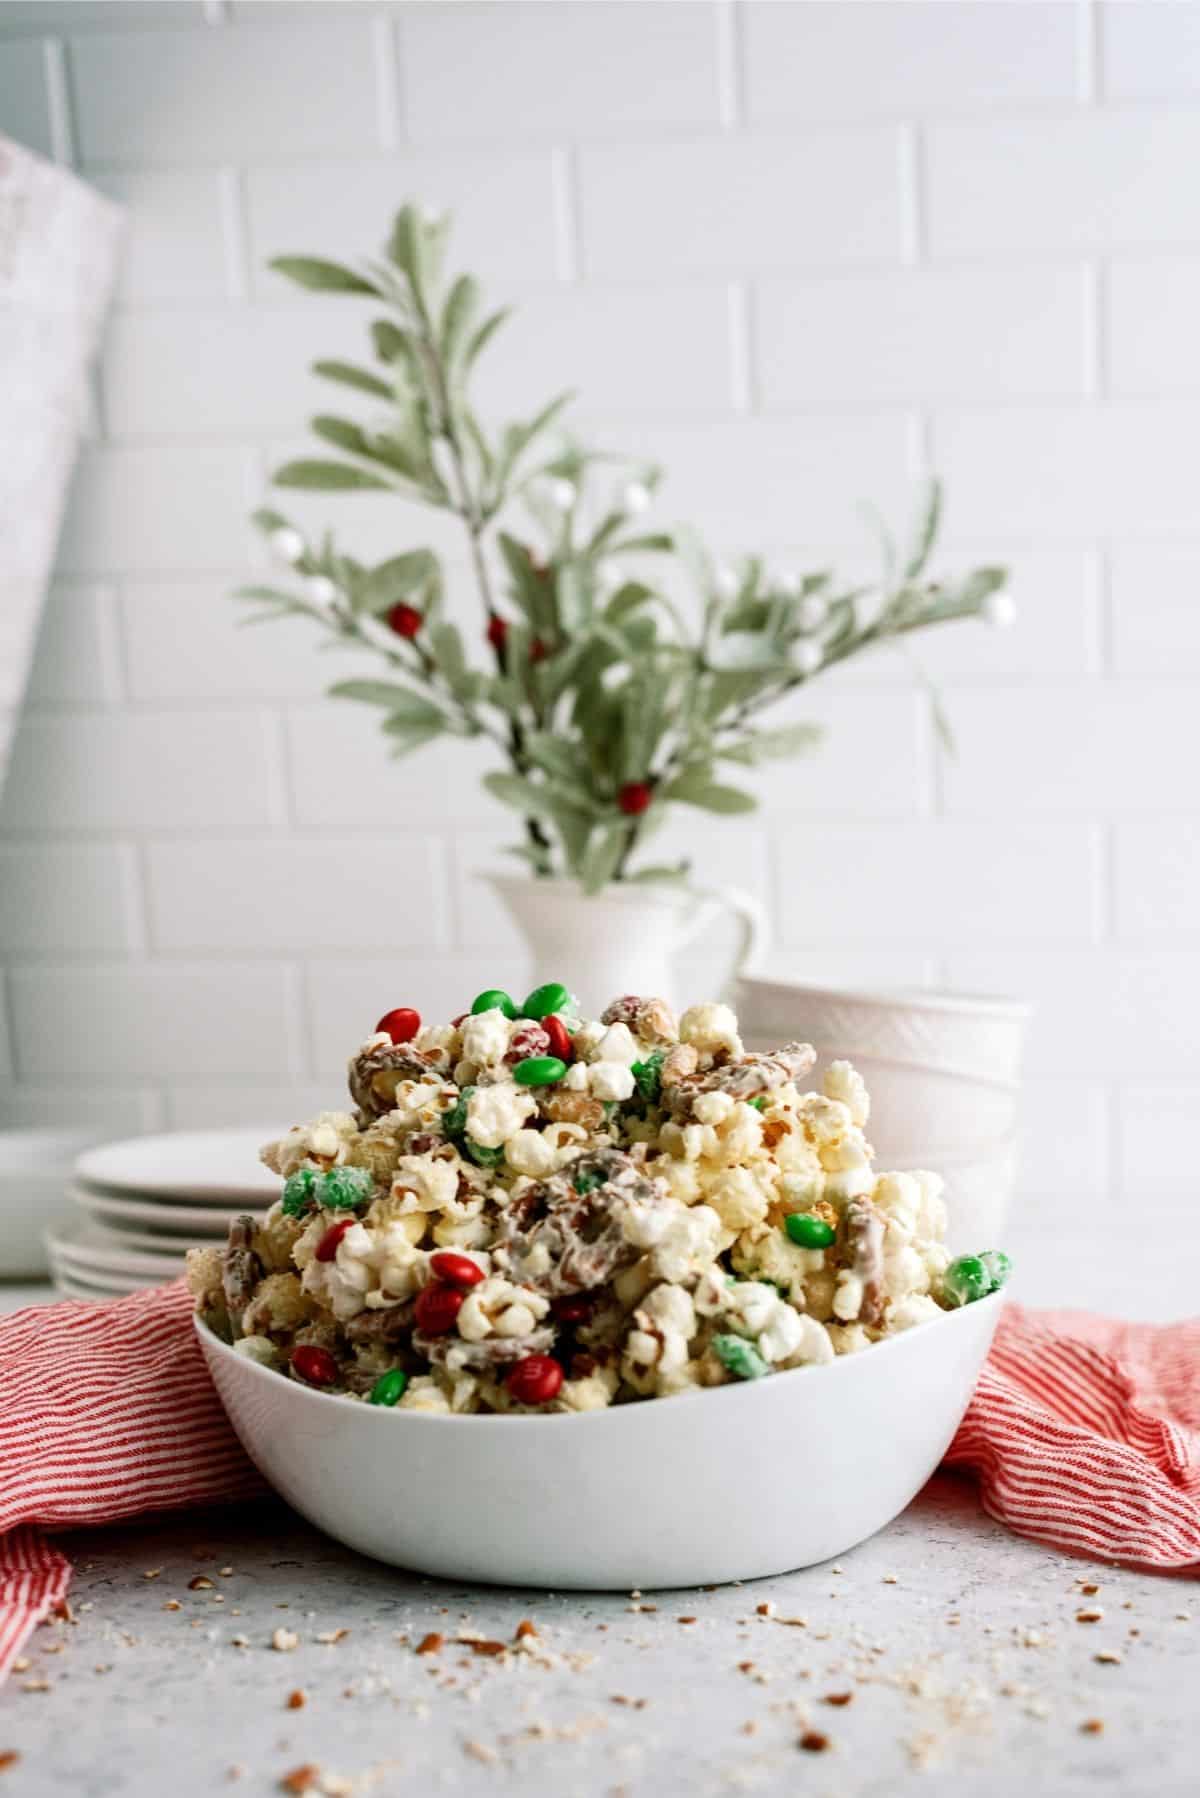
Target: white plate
{"x":734,"y":1483}
{"x":72,"y":1288}
{"x":99,"y":1286}
{"x":128,"y":1236}
{"x":217,"y":1167}
{"x":171,"y":1219}
{"x":94,"y":1252}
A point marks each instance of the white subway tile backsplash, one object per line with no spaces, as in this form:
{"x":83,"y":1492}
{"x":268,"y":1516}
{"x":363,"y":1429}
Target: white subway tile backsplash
{"x":1072,"y":749}
{"x":742,"y":203}
{"x":613,"y":66}
{"x":755,"y":483}
{"x":1155,"y":607}
{"x":188,"y":640}
{"x":827,"y":58}
{"x":919,"y":335}
{"x":1063,"y":474}
{"x":280,"y":897}
{"x":65,"y":898}
{"x":343,"y":775}
{"x":148,"y":1022}
{"x":645,"y":350}
{"x":502,"y":204}
{"x":174,"y":771}
{"x":1156,"y":877}
{"x":1083,"y":181}
{"x":199,"y":96}
{"x":799,"y":253}
{"x":937,"y":882}
{"x":246,"y":1103}
{"x":142,"y":511}
{"x":1152,"y":340}
{"x":1150,"y":51}
{"x":73,"y":660}
{"x":174,"y":243}
{"x":229,"y":371}
{"x":24,"y":100}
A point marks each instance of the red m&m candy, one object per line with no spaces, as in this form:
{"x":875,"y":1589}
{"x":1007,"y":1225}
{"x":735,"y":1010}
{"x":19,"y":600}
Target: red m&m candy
{"x":314,"y":1365}
{"x":401,"y":1025}
{"x":560,"y":1038}
{"x":437,"y":1307}
{"x":535,"y":1380}
{"x":459,"y":1270}
{"x":327,"y":1248}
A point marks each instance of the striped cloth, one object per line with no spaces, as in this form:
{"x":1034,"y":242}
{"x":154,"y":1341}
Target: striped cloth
{"x":1083,"y":1432}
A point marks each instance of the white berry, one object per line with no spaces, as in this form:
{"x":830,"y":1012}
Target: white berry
{"x":321,"y":588}
{"x":812,"y":612}
{"x":562,"y":494}
{"x":636,"y":497}
{"x":287,"y":543}
{"x":807,"y":657}
{"x":726,"y":581}
{"x":999,"y":610}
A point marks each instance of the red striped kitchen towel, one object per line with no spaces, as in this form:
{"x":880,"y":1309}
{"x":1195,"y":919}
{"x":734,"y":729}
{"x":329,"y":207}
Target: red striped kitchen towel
{"x":1083,"y":1432}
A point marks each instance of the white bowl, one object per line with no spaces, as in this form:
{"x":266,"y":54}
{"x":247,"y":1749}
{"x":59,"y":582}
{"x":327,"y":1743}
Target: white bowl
{"x":967,"y":1035}
{"x":733,"y":1483}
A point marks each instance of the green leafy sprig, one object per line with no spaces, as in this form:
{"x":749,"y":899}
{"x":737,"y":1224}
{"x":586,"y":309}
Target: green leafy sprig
{"x":606,"y":704}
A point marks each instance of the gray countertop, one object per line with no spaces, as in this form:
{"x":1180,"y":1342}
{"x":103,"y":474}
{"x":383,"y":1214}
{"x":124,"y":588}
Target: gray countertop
{"x":953,"y":1648}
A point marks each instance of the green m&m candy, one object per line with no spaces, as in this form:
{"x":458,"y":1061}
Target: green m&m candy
{"x":454,"y":1120}
{"x":545,"y":999}
{"x":344,"y":1188}
{"x":389,"y":1387}
{"x":480,"y":1156}
{"x":494,"y":999}
{"x":808,"y":1232}
{"x":298,"y":1195}
{"x":648,"y":1075}
{"x":966,"y":1280}
{"x":739,"y":1357}
{"x":539,"y":1070}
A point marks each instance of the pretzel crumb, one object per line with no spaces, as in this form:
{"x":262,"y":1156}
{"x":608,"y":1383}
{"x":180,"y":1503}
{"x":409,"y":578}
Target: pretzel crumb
{"x":765,"y":1610}
{"x":301,"y":1779}
{"x":8,"y":1758}
{"x":1089,"y":1588}
{"x":527,"y":1628}
{"x":433,"y":1643}
{"x":332,"y":1635}
{"x":297,"y":1700}
{"x":1108,"y":1657}
{"x":685,"y":1619}
{"x":481,"y":1751}
{"x":172,"y":1604}
{"x":838,"y":1698}
{"x":152,"y":1573}
{"x":285,"y":1640}
{"x":1094,"y":1615}
{"x":813,"y":1741}
{"x":1092,"y":1726}
{"x":200,"y":1582}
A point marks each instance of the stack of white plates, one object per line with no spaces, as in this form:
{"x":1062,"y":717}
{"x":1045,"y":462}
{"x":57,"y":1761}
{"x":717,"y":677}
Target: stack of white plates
{"x":141,"y":1204}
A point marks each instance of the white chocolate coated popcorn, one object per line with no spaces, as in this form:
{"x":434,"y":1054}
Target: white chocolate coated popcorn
{"x":627,"y":1231}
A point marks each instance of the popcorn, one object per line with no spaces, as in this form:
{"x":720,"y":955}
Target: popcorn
{"x":618,"y":1236}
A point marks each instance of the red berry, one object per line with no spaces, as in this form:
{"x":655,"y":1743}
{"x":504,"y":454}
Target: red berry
{"x":573,"y":1308}
{"x":406,"y":621}
{"x":460,"y":1270}
{"x":401,"y":1025}
{"x":314,"y":1365}
{"x":437,"y":1307}
{"x":538,"y":651}
{"x":535,"y":1380}
{"x":634,"y":797}
{"x":497,"y":631}
{"x":327,"y":1248}
{"x":560,"y":1039}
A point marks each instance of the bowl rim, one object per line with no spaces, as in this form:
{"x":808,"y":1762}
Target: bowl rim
{"x":926,"y":998}
{"x":495,"y":1420}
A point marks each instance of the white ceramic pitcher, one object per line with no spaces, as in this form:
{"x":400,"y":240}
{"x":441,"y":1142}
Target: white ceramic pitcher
{"x":623,"y":939}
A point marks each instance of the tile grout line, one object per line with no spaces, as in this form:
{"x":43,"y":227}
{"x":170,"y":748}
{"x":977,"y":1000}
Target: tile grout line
{"x":386,"y":64}
{"x":910,"y":174}
{"x":235,"y":232}
{"x":1089,"y":46}
{"x":728,"y":24}
{"x":58,"y":101}
{"x":745,"y":392}
{"x":564,"y":184}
